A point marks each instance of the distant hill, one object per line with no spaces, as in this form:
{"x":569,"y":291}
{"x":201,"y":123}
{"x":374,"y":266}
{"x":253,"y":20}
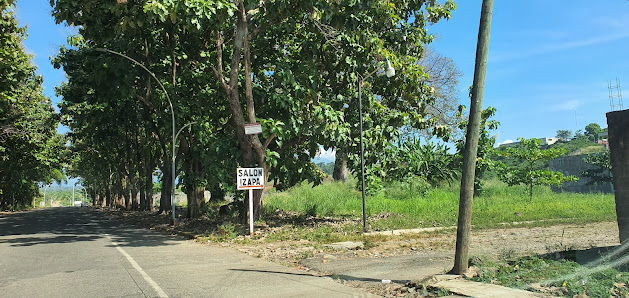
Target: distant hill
{"x":580,"y":145}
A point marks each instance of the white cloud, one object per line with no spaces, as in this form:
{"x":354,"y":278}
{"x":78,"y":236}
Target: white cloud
{"x":558,"y":47}
{"x":566,"y":105}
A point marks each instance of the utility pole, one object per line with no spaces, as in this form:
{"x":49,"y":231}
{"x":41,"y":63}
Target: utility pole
{"x":461,"y":257}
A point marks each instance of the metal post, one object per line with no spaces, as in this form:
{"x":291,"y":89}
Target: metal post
{"x":172,"y":196}
{"x":362,"y":147}
{"x":251,"y":212}
{"x":362,"y":153}
{"x":172,"y":173}
{"x":72,"y":203}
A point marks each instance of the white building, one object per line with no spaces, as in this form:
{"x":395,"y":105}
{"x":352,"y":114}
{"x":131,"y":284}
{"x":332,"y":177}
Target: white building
{"x":548,"y":141}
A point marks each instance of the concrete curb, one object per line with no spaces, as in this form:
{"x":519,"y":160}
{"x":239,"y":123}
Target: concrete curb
{"x":409,"y":231}
{"x":456,"y":284}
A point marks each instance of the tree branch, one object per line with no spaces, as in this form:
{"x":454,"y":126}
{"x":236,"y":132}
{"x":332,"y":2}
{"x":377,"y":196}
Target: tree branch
{"x":268,"y":141}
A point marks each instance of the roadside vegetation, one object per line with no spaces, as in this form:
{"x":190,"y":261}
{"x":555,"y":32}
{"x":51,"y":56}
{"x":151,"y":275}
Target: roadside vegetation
{"x":417,"y":205}
{"x":562,"y":277}
{"x":31,"y":151}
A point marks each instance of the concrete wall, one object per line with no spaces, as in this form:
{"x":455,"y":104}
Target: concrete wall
{"x":618,"y":124}
{"x":574,"y":165}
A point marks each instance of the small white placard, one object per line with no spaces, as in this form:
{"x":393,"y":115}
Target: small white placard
{"x":253,"y":128}
{"x":250,"y":178}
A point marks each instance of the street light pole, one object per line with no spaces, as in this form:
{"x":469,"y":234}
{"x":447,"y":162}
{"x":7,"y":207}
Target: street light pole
{"x":172,"y":113}
{"x":390,"y":71}
{"x":173,"y":168}
{"x":362,"y":153}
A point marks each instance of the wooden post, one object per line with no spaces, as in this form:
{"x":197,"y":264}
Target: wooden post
{"x":461,"y":257}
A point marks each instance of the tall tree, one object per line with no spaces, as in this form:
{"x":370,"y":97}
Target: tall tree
{"x":564,"y":134}
{"x":592,"y":130}
{"x":286,"y":64}
{"x":30,"y":148}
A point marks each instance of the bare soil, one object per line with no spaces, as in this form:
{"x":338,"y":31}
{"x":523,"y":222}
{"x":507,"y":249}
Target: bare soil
{"x":390,"y":265}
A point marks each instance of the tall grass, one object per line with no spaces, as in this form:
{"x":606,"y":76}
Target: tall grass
{"x":329,"y":199}
{"x":402,"y":206}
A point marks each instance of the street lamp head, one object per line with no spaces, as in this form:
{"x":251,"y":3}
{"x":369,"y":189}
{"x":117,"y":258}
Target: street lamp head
{"x":390,"y":71}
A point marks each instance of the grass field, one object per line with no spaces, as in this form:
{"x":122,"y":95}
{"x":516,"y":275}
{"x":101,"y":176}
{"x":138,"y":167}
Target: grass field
{"x":403,"y":206}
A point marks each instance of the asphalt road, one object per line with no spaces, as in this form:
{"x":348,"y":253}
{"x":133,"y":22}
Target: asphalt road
{"x":77,"y":252}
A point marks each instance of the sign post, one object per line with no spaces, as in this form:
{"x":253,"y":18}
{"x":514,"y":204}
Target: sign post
{"x":250,"y":179}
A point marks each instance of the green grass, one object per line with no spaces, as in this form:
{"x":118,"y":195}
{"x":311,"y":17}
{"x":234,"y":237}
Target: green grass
{"x":559,"y":277}
{"x":395,"y":208}
{"x":329,"y":199}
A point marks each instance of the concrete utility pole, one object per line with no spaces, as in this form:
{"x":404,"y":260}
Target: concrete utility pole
{"x":461,"y":257}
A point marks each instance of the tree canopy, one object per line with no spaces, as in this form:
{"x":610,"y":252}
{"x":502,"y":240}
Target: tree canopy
{"x":293,"y":66}
{"x":30,"y":149}
{"x":533,"y":170}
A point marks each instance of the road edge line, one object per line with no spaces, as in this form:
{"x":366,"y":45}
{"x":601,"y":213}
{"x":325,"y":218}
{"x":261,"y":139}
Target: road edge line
{"x":137,"y":267}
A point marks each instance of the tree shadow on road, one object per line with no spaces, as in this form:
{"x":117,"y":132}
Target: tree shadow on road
{"x":70,"y":225}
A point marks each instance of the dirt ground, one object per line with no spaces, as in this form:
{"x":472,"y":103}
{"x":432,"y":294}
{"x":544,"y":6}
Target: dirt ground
{"x":504,"y":242}
{"x":394,"y":266}
{"x":391,"y":265}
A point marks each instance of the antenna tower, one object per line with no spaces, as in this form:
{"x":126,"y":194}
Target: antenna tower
{"x":615,"y":95}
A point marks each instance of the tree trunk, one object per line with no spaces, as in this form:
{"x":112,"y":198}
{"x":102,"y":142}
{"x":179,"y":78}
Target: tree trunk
{"x":341,"y":173}
{"x":164,"y":201}
{"x":148,"y":185}
{"x":194,"y":191}
{"x":142,"y":202}
{"x":196,"y":201}
{"x":217,"y":194}
{"x":248,"y":145}
{"x":461,"y":258}
{"x":108,"y":196}
{"x":101,"y":197}
{"x":126,"y":193}
{"x":133,"y":188}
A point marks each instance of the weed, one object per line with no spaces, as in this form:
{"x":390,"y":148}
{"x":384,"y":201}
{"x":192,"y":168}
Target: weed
{"x":401,"y":206}
{"x":561,"y":277}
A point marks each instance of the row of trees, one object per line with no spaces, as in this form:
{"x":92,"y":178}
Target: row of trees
{"x":31,"y":151}
{"x":523,"y":164}
{"x":591,"y":132}
{"x":293,"y":66}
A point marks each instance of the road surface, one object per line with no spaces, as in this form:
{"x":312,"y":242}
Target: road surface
{"x":77,"y":252}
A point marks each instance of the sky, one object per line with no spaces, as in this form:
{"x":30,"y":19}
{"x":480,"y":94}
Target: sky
{"x":549,"y":61}
{"x":548,"y":67}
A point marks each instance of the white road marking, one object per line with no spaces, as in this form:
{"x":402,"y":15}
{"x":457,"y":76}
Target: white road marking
{"x":137,"y":267}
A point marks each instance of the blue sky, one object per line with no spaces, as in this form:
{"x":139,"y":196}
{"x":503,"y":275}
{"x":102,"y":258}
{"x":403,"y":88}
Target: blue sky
{"x":546,"y":58}
{"x":43,"y":41}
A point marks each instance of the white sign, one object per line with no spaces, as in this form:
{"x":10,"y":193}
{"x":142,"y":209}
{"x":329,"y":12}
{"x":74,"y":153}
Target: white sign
{"x":253,"y":128}
{"x":250,"y":178}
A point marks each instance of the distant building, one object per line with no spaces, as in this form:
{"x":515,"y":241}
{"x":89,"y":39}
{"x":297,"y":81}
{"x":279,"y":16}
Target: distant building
{"x":602,"y":139}
{"x":544,"y":141}
{"x":548,"y":141}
